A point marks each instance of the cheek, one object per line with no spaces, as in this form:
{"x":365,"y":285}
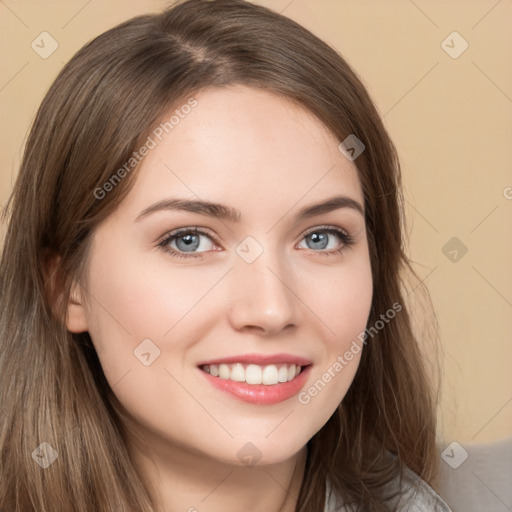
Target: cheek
{"x":342,"y":300}
{"x":343,"y":305}
{"x":134,"y":302}
{"x":140,"y":301}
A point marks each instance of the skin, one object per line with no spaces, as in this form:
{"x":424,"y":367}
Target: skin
{"x":267,"y":157}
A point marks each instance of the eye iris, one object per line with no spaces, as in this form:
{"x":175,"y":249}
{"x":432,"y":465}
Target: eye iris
{"x":191,"y":242}
{"x":319,"y":238}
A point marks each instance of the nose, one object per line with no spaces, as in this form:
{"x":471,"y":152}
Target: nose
{"x":262,"y":296}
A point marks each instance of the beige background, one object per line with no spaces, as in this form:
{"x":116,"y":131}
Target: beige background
{"x":451,"y":119}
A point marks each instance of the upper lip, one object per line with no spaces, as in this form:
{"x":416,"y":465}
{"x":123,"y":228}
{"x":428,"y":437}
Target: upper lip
{"x":259,"y":359}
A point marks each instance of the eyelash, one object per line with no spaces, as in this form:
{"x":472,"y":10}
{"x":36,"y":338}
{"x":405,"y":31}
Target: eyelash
{"x":173,"y":235}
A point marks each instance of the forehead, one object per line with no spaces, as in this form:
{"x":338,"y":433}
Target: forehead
{"x":239,"y":145}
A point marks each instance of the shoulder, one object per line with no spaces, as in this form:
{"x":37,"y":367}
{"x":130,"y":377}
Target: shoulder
{"x":418,"y":496}
{"x":414,"y":495}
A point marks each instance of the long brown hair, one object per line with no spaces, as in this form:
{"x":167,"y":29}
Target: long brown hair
{"x":102,"y":105}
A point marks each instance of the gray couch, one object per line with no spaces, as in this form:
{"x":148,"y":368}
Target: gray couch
{"x":477,"y":477}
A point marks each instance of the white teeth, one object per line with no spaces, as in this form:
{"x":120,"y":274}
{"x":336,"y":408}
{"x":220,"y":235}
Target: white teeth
{"x":268,"y":375}
{"x":253,"y":374}
{"x":224,"y":371}
{"x":282,"y":375}
{"x":237,"y":373}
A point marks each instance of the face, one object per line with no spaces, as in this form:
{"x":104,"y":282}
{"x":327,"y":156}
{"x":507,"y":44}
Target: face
{"x":202,"y":315}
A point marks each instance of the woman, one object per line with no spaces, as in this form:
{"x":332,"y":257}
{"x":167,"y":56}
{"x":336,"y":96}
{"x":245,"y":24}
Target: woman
{"x":201,"y":282}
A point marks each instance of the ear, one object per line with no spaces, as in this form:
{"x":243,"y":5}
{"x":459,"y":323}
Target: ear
{"x":76,"y":319}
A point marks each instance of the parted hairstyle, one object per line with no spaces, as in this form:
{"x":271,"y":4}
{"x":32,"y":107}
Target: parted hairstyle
{"x":104,"y":102}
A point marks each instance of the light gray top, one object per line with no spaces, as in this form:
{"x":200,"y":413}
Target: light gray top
{"x":417,"y":496}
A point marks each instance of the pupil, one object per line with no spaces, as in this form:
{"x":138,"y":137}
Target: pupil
{"x":318,"y":238}
{"x":187,"y":241}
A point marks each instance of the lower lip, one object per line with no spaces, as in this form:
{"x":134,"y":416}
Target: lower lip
{"x":261,"y":394}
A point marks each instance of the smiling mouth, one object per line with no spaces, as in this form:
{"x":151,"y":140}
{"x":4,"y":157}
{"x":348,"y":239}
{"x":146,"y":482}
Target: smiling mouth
{"x":269,"y":375}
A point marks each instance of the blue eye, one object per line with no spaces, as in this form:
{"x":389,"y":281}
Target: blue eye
{"x":319,"y":238}
{"x":187,"y":241}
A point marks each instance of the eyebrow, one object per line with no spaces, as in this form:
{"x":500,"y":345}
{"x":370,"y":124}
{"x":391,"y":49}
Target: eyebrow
{"x":223,"y":212}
